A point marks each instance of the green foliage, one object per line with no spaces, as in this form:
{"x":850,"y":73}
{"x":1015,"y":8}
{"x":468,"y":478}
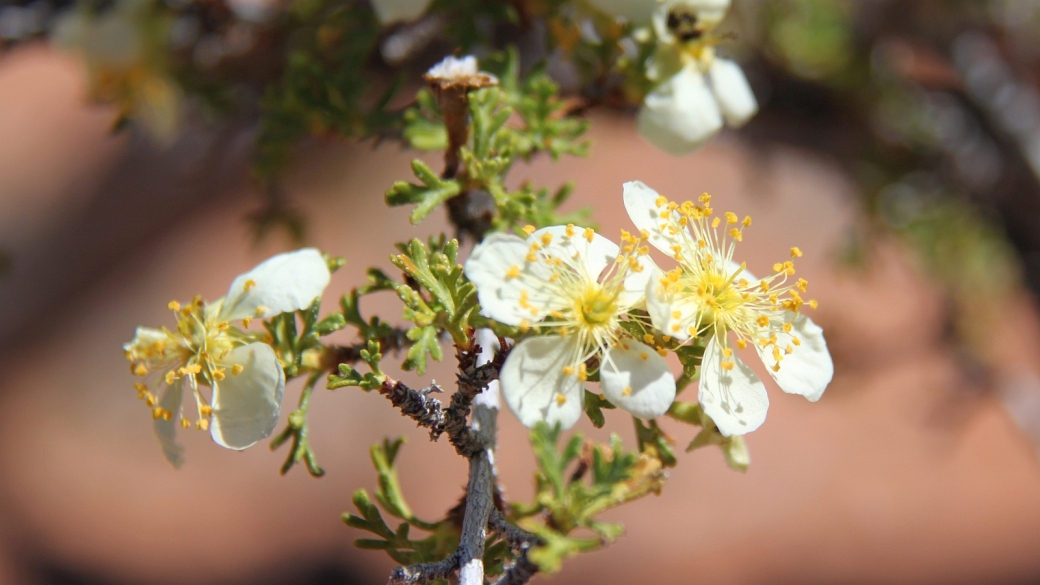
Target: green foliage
{"x":654,"y":442}
{"x":733,"y":448}
{"x":569,"y":499}
{"x":443,"y":537}
{"x":544,"y":125}
{"x":349,"y":376}
{"x":437,"y":297}
{"x":432,"y":192}
{"x":594,"y":405}
{"x":297,"y":430}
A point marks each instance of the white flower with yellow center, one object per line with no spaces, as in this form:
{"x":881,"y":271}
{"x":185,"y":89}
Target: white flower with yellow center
{"x":698,"y":91}
{"x":708,"y":295}
{"x":207,"y":349}
{"x":574,"y":286}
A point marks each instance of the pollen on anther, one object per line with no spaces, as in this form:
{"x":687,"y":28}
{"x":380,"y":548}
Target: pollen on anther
{"x":644,"y":356}
{"x":514,"y":271}
{"x":726,"y":352}
{"x":796,"y":252}
{"x":627,"y":391}
{"x":776,"y":367}
{"x":762,"y":321}
{"x":202,"y":424}
{"x":185,"y":423}
{"x":174,"y":306}
{"x":546,"y":238}
{"x":788,"y":327}
{"x":139,"y":370}
{"x":249,"y":284}
{"x":529,"y":229}
{"x":741,"y":344}
{"x":648,"y":338}
{"x":237,"y":369}
{"x":726,"y":366}
{"x":715,"y":223}
{"x":561,"y":399}
{"x":731,"y":218}
{"x":589,"y":233}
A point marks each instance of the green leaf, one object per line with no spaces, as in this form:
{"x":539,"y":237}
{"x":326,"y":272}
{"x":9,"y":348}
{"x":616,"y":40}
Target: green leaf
{"x":428,"y":195}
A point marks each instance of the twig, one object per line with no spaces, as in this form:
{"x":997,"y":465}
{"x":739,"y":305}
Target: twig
{"x":519,"y":573}
{"x":417,"y":405}
{"x":424,"y":572}
{"x":518,"y":538}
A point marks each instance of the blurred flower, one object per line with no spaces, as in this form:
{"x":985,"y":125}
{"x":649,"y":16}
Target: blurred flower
{"x":698,"y":91}
{"x":574,"y":285}
{"x":246,"y":378}
{"x":709,"y":295}
{"x":124,"y":47}
{"x":391,"y":11}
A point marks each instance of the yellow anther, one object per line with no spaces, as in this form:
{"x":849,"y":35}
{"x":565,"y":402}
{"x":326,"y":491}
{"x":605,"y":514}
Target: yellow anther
{"x":741,"y":344}
{"x":218,"y":374}
{"x":247,"y":321}
{"x":561,"y":399}
{"x":644,"y":356}
{"x":796,"y":252}
{"x":170,"y":377}
{"x":184,"y":423}
{"x":731,"y":218}
{"x":742,"y":283}
{"x":776,"y":367}
{"x":546,"y":238}
{"x":583,"y":372}
{"x":715,"y":223}
{"x":813,"y":304}
{"x":150,"y":400}
{"x":237,"y":369}
{"x":524,"y":300}
{"x":788,"y":327}
{"x":778,"y":267}
{"x":666,"y":338}
{"x":249,"y":284}
{"x":648,"y":338}
{"x":796,"y":341}
{"x":627,"y":391}
{"x":802,"y":284}
{"x":157,"y":412}
{"x":205,"y":410}
{"x":174,"y":306}
{"x":726,"y":352}
{"x":747,"y":221}
{"x":514,"y":272}
{"x":260,"y":310}
{"x":704,"y":199}
{"x":529,"y":229}
{"x":692,"y":330}
{"x":676,"y":314}
{"x":727,"y":366}
{"x":589,"y":233}
{"x":736,"y":235}
{"x":141,"y":388}
{"x":569,"y":232}
{"x":763,"y":321}
{"x":661,"y":201}
{"x":662,"y":351}
{"x":202,"y":424}
{"x":788,"y":350}
{"x":138,"y":369}
{"x":525,"y":326}
{"x":644,"y":234}
{"x":776,"y":353}
{"x":675,"y":328}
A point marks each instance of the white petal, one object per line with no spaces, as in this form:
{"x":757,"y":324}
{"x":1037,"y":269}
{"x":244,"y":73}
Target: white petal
{"x":808,"y":368}
{"x":709,"y":14}
{"x":283,"y":283}
{"x":584,"y":249}
{"x":633,"y":295}
{"x":245,"y":405}
{"x":641,"y":204}
{"x":534,"y":385}
{"x":735,"y":98}
{"x":636,"y":378}
{"x":489,"y":266}
{"x":391,"y":11}
{"x":681,"y":114}
{"x":671,"y":314}
{"x":166,"y":430}
{"x":735,"y":399}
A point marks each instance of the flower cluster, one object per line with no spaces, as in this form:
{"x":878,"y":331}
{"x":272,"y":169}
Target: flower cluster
{"x":697,"y":91}
{"x":208,"y":349}
{"x":573,"y":289}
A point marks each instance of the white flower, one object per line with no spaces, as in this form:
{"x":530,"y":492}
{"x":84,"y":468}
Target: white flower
{"x":699,"y":91}
{"x":709,"y":295}
{"x":391,"y":11}
{"x":206,"y":349}
{"x":574,"y":285}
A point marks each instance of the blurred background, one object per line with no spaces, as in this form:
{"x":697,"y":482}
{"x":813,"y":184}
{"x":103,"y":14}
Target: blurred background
{"x":898,"y":145}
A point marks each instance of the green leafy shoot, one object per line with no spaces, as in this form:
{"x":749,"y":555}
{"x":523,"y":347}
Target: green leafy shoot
{"x":443,"y":536}
{"x":297,"y":430}
{"x":431,"y":192}
{"x":734,"y":449}
{"x":575,"y":484}
{"x":654,"y":442}
{"x":437,"y":297}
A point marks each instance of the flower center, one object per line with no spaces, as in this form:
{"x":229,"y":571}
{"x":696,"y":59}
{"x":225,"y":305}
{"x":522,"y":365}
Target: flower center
{"x":597,"y":306}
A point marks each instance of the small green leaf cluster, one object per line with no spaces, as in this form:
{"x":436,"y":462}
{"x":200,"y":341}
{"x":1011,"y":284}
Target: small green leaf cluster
{"x":544,"y":125}
{"x":443,"y":536}
{"x":573,"y":486}
{"x":437,"y":297}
